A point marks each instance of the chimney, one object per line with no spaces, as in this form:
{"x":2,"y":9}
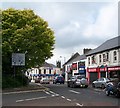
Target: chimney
{"x":86,"y":50}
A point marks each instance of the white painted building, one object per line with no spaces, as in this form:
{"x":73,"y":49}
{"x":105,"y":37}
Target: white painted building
{"x":104,"y":60}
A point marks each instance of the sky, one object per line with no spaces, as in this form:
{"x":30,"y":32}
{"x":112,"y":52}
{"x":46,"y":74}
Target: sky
{"x":77,"y":25}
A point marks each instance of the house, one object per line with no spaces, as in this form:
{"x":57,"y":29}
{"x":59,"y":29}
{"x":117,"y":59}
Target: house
{"x":76,"y":65}
{"x":46,"y":70}
{"x":104,"y":61}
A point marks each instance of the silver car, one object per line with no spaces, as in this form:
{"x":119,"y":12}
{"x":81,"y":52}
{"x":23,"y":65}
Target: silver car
{"x":77,"y":80}
{"x":101,"y":82}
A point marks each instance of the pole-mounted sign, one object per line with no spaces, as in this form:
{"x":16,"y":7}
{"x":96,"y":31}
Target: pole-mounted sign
{"x":18,"y":59}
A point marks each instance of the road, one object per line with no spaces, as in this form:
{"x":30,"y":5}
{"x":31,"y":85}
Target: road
{"x":60,"y":95}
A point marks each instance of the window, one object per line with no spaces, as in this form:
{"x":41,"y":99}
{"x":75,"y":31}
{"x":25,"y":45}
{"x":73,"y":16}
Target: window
{"x":89,"y":61}
{"x":44,"y":71}
{"x":115,"y":55}
{"x":39,"y":71}
{"x":100,"y":59}
{"x":107,"y":56}
{"x":93,"y":59}
{"x":49,"y":71}
{"x":104,"y":58}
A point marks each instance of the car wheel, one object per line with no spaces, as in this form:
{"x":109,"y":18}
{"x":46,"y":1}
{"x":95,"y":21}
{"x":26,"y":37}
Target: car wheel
{"x":102,"y":86}
{"x":117,"y":94}
{"x":86,"y":86}
{"x":73,"y":85}
{"x":107,"y":93}
{"x":93,"y":85}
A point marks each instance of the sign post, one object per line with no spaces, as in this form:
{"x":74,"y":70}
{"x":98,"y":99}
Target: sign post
{"x":18,"y":59}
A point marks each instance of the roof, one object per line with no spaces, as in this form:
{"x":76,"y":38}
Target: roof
{"x":75,"y":58}
{"x":108,"y":45}
{"x":76,"y":55}
{"x":48,"y":65}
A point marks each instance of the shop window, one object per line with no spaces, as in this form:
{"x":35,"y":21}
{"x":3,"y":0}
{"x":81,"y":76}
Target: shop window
{"x":115,"y":55}
{"x":100,"y":58}
{"x":104,"y":58}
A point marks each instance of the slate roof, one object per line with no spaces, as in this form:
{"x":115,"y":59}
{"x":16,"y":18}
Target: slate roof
{"x":76,"y":57}
{"x":72,"y":58}
{"x":48,"y":65}
{"x":108,"y":45}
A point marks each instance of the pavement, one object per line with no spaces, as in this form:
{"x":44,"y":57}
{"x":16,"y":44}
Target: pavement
{"x":30,"y":87}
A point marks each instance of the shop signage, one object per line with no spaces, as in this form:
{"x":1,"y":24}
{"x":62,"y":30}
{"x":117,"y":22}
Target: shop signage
{"x":92,"y":69}
{"x":113,"y":68}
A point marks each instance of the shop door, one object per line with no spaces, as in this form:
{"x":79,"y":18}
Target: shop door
{"x":93,"y":76}
{"x":103,"y":74}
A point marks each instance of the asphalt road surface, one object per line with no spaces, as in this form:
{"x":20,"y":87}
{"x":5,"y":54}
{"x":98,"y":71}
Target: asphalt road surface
{"x":60,"y":95}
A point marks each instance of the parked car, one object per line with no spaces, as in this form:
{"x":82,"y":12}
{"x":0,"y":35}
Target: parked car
{"x":113,"y":89}
{"x":77,"y":80}
{"x":45,"y":80}
{"x":101,"y":82}
{"x":58,"y":79}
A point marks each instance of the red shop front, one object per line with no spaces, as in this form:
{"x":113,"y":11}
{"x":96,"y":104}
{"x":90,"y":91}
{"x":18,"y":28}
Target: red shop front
{"x":114,"y":72}
{"x":95,"y":73}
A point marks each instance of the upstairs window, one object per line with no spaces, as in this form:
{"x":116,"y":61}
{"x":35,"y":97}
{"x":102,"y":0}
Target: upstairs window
{"x":44,"y":71}
{"x":100,"y":59}
{"x":89,"y":61}
{"x":49,"y":71}
{"x":104,"y":58}
{"x":107,"y":56}
{"x":115,"y":55}
{"x":93,"y":59}
{"x":39,"y":71}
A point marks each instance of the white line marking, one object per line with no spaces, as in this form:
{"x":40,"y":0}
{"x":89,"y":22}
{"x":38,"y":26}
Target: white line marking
{"x":63,"y":97}
{"x":51,"y":92}
{"x":53,"y":95}
{"x":74,"y":91}
{"x":47,"y":92}
{"x":19,"y":100}
{"x":23,"y":91}
{"x":31,"y":99}
{"x":77,"y":104}
{"x":57,"y":94}
{"x":68,"y":99}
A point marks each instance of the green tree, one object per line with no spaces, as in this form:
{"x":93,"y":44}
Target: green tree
{"x":25,"y":32}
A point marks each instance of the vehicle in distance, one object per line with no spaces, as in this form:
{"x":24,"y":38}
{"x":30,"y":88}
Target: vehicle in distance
{"x":101,"y":82}
{"x":58,"y":79}
{"x":45,"y":80}
{"x":77,"y":81}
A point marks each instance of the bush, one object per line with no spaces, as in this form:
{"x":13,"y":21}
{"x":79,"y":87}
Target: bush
{"x":9,"y":81}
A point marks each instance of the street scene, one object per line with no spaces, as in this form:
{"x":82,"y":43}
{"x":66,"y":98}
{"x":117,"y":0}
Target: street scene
{"x":60,"y":95}
{"x":60,"y":54}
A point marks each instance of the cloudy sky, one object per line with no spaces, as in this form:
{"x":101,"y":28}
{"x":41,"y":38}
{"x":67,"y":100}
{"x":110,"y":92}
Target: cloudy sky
{"x":77,"y":25}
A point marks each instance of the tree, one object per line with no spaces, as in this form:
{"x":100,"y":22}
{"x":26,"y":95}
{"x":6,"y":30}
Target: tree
{"x":25,"y":32}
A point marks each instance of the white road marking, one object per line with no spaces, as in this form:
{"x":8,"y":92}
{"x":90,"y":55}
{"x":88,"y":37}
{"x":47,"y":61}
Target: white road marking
{"x":51,"y":92}
{"x":22,"y":92}
{"x":68,"y":99}
{"x":31,"y":99}
{"x":77,"y":104}
{"x":53,"y":95}
{"x":74,"y":91}
{"x":63,"y":97}
{"x":56,"y":94}
{"x":19,"y":100}
{"x":47,"y":92}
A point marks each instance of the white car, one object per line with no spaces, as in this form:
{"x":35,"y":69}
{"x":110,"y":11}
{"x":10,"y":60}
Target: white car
{"x":45,"y":80}
{"x":100,"y":83}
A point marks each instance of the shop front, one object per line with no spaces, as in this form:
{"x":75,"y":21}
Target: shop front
{"x":114,"y":72}
{"x":93,"y":74}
